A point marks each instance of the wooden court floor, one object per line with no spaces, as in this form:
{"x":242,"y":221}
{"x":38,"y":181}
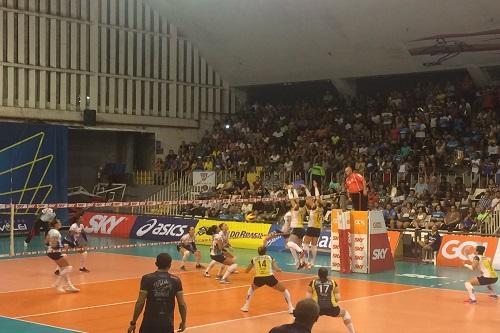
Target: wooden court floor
{"x":108,"y":293}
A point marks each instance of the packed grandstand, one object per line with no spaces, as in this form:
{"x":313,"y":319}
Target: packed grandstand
{"x":423,"y":150}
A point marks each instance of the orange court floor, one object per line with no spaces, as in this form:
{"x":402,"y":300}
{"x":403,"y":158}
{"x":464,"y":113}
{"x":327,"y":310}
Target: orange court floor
{"x":106,"y":301}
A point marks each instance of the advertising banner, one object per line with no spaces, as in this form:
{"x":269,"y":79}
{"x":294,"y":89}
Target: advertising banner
{"x":278,"y":243}
{"x":22,"y":223}
{"x":106,"y":224}
{"x":161,"y":228}
{"x":359,"y":246}
{"x":380,"y":254}
{"x":241,"y":235}
{"x":394,"y":237}
{"x":336,"y":216}
{"x":452,"y":248}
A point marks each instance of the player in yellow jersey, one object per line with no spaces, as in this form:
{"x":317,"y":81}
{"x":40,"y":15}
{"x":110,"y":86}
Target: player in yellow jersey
{"x":326,"y":293}
{"x":488,"y":275}
{"x":264,"y":267}
{"x":313,"y":231}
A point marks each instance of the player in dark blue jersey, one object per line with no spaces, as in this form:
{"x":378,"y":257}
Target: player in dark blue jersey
{"x":159,"y":290}
{"x":325,"y":292}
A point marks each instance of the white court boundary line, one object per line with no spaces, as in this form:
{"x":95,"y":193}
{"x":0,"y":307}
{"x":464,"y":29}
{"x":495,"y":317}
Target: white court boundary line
{"x":110,"y":280}
{"x":128,"y":302}
{"x":282,"y":312}
{"x":94,"y":282}
{"x":41,"y":324}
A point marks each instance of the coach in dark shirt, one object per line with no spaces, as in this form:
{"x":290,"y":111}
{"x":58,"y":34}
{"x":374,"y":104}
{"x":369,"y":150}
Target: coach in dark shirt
{"x":159,"y":291}
{"x":306,"y":314}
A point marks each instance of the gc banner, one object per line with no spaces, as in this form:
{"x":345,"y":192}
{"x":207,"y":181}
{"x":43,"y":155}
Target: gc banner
{"x":452,"y":248}
{"x":241,"y":235}
{"x":161,"y":228}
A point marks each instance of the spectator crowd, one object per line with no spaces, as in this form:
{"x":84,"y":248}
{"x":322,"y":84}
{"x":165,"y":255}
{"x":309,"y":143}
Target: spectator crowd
{"x":432,"y":129}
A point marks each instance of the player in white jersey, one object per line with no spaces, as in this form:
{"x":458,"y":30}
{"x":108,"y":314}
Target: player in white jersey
{"x":54,"y":252}
{"x":187,"y":246}
{"x":298,"y":232}
{"x":77,"y":239}
{"x":313,"y":231}
{"x":488,"y":275}
{"x":226,"y":249}
{"x":283,"y":232}
{"x":217,"y":254}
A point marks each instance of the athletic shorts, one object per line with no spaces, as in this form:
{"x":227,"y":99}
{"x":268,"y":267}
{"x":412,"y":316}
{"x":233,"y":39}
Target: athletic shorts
{"x":70,"y":243}
{"x":191,"y":249}
{"x":260,"y":281}
{"x":219,"y":258}
{"x":485,"y":281}
{"x":313,"y":232}
{"x":299,"y":232}
{"x":152,"y":328}
{"x":331,"y":312}
{"x":55,"y":255}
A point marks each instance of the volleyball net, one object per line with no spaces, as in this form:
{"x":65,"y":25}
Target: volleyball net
{"x":116,"y":225}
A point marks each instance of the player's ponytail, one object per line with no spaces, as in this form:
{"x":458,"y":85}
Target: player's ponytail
{"x":323,"y":274}
{"x":212,"y":230}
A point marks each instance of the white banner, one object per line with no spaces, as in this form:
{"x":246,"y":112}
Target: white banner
{"x":204,"y":179}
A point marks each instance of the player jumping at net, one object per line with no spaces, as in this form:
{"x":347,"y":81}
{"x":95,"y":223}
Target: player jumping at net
{"x":43,"y":221}
{"x":217,"y":254}
{"x":488,"y":275}
{"x":264,"y":267}
{"x":310,"y":241}
{"x":294,"y":243}
{"x":326,"y":293}
{"x":55,"y":246}
{"x":187,"y":246}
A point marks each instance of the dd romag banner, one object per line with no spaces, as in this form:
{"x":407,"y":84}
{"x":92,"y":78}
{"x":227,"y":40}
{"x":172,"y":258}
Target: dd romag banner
{"x":241,"y":235}
{"x":33,"y":168}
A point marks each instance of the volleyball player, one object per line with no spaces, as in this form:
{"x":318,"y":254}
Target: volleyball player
{"x":187,"y":246}
{"x":42,"y":221}
{"x":159,"y":291}
{"x":313,"y":231}
{"x":217,"y":254}
{"x":224,"y":233}
{"x":488,"y":275}
{"x":55,"y":246}
{"x":77,"y":239}
{"x":283,"y":232}
{"x":297,"y":224}
{"x":264,"y":266}
{"x":325,"y":292}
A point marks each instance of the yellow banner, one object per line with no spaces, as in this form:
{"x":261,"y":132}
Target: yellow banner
{"x":241,"y":235}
